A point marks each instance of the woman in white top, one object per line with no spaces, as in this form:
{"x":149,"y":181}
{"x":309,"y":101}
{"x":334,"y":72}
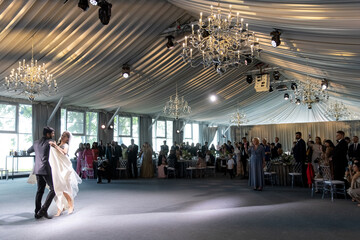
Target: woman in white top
{"x":65,"y":179}
{"x":316,"y":154}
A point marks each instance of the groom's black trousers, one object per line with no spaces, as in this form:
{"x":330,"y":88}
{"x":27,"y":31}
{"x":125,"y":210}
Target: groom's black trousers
{"x":42,"y":180}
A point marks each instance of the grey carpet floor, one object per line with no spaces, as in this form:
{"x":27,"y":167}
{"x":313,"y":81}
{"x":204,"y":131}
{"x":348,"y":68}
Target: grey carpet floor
{"x":212,"y":208}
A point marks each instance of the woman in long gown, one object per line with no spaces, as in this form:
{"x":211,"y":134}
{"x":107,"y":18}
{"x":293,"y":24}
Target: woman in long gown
{"x":257,"y":164}
{"x":64,"y":177}
{"x":147,"y":169}
{"x":79,"y":155}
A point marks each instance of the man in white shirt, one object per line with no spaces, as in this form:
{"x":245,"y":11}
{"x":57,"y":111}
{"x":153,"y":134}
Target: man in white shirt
{"x":230,"y":167}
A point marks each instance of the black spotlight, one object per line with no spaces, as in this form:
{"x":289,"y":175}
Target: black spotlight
{"x":170,"y":44}
{"x":286,"y":96}
{"x":104,"y":11}
{"x":324,"y":84}
{"x":271,"y":89}
{"x":178,"y":131}
{"x":275,"y":40}
{"x":309,"y":106}
{"x":125,"y":71}
{"x":293,"y":86}
{"x":276,"y":75}
{"x":83,"y":4}
{"x":249,"y":79}
{"x":297,"y":101}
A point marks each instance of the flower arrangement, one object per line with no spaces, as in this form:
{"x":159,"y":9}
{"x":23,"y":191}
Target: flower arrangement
{"x":284,"y":159}
{"x":186,"y":155}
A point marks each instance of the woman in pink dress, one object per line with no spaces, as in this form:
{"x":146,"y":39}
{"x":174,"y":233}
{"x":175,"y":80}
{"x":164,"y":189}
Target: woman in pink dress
{"x":88,"y":157}
{"x":79,"y":155}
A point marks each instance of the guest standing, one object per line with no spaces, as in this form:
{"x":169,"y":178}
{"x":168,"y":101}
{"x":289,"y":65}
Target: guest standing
{"x":354,"y":149}
{"x":299,"y":151}
{"x":257,"y":164}
{"x":340,"y":156}
{"x":132,"y":152}
{"x":230,"y":166}
{"x":88,"y":159}
{"x":316,"y":153}
{"x":239,"y":167}
{"x":278,"y":146}
{"x":244,"y":155}
{"x":165,"y":148}
{"x":95,"y":152}
{"x":147,"y":169}
{"x":79,"y":155}
{"x":266,"y":149}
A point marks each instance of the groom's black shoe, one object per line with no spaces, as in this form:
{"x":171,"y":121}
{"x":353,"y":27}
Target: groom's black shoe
{"x":43,"y":213}
{"x":37,"y":216}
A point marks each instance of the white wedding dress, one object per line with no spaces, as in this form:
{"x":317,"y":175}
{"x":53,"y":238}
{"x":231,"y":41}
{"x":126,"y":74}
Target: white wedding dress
{"x":64,"y":177}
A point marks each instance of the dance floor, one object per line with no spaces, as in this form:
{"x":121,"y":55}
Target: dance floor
{"x":212,"y":208}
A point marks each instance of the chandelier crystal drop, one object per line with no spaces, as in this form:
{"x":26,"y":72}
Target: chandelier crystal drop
{"x":308,"y":94}
{"x":238,"y":118}
{"x":177,"y":106}
{"x":31,"y":80}
{"x":220,"y":41}
{"x":338,"y":111}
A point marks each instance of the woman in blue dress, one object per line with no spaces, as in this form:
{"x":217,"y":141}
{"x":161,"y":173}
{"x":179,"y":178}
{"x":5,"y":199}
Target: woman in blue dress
{"x":257,"y":164}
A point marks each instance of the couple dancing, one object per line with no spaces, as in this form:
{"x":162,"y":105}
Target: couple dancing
{"x":53,"y":168}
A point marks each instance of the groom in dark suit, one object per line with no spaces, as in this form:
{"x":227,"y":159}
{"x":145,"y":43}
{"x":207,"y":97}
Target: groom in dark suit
{"x":299,"y":151}
{"x":42,"y":170}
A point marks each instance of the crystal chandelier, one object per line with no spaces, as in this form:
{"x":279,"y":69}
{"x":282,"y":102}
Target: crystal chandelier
{"x":31,"y":80}
{"x":338,"y":111}
{"x":307,"y":93}
{"x":238,"y":118}
{"x":177,"y":106}
{"x":220,"y":41}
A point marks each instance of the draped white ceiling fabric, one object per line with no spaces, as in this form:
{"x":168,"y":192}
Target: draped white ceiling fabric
{"x":320,"y":39}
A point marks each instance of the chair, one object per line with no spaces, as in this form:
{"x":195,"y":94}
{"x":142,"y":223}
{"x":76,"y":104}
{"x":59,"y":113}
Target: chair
{"x":4,"y":171}
{"x":332,"y":186}
{"x":318,"y":183}
{"x":122,"y":167}
{"x":296,"y":172}
{"x":171,"y":168}
{"x":268,"y":174}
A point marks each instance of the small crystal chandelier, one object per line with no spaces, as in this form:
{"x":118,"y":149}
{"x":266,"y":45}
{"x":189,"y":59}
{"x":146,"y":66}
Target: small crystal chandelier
{"x":219,"y":41}
{"x":176,"y":106}
{"x":338,"y":111}
{"x":238,"y":118}
{"x":307,"y":94}
{"x":30,"y":80}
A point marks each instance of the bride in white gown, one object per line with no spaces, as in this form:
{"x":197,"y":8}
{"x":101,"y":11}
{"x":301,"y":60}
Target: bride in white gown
{"x":64,"y":177}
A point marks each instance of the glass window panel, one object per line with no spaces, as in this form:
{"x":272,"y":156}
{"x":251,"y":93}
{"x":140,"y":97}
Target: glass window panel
{"x":75,"y":122}
{"x":25,"y":118}
{"x":6,"y":147}
{"x":124,"y":126}
{"x":7,"y":117}
{"x":169,"y":130}
{"x":116,"y":128}
{"x":159,"y":142}
{"x":74,"y":144}
{"x":63,"y":120}
{"x":90,"y":139}
{"x":187,"y":131}
{"x":195,"y":133}
{"x":91,"y":123}
{"x":161,"y":129}
{"x":135,"y":127}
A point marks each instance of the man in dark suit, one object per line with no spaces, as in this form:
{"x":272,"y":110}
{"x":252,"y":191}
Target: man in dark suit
{"x":299,"y":152}
{"x":164,"y":148}
{"x":42,"y":170}
{"x":340,"y":156}
{"x":244,"y":154}
{"x":132,"y":151}
{"x":204,"y":148}
{"x":354,"y":149}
